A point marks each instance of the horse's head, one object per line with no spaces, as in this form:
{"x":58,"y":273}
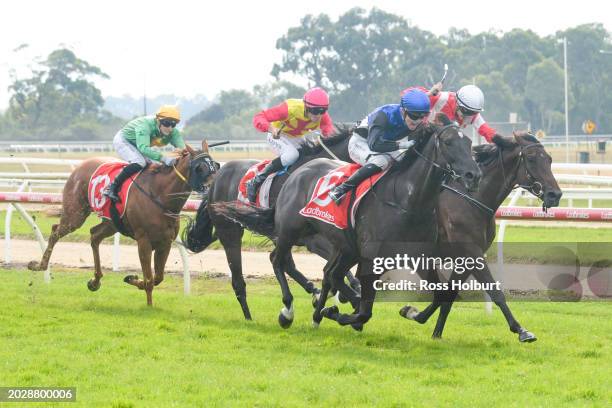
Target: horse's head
{"x":535,"y":173}
{"x":454,"y":152}
{"x":201,"y":167}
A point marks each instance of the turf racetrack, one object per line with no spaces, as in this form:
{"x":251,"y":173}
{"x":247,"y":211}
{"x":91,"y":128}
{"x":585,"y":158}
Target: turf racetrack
{"x":198,"y":351}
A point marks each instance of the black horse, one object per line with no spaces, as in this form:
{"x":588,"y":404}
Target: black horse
{"x":467,"y":227}
{"x":397,"y":212}
{"x":199,"y":234}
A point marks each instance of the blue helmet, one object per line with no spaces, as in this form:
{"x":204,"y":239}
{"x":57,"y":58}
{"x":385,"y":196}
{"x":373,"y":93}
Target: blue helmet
{"x":415,"y":100}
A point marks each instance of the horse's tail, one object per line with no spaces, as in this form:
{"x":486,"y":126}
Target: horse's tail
{"x":198,"y":233}
{"x":256,"y":219}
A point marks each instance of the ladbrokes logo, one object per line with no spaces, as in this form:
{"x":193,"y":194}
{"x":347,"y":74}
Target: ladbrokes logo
{"x":318,"y":213}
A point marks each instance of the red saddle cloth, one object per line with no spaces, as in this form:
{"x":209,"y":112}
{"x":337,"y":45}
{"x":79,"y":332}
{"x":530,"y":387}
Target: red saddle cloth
{"x":263,"y":194}
{"x":323,"y":208}
{"x":100,"y":179}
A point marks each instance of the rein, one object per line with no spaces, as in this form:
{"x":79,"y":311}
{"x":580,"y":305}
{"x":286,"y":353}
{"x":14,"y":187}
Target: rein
{"x":531,"y":188}
{"x":446,"y":170}
{"x":178,"y":173}
{"x":320,"y":140}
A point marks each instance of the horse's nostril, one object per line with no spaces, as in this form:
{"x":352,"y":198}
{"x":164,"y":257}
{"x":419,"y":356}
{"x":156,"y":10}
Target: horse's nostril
{"x":469,"y":175}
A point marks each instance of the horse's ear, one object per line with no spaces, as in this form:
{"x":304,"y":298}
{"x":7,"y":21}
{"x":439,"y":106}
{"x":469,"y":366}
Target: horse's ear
{"x":441,"y":119}
{"x":205,"y":146}
{"x":524,"y":135}
{"x":189,"y":149}
{"x":505,"y":142}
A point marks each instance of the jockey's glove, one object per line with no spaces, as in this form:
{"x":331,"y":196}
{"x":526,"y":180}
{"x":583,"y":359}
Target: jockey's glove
{"x":405,"y":144}
{"x":168,"y":161}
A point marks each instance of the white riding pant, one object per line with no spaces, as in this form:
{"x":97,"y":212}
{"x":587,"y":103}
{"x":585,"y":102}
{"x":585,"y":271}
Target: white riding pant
{"x":128,"y":151}
{"x":360,"y":153}
{"x":286,"y":148}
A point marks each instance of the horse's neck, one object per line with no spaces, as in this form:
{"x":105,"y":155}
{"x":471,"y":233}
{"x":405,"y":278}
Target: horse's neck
{"x":425,"y":187}
{"x":173,"y":192}
{"x":340,"y":150}
{"x":497,"y":182}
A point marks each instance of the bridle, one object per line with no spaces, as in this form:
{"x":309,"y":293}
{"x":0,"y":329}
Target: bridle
{"x":195,"y":161}
{"x":448,"y":170}
{"x":535,"y":187}
{"x":449,"y":173}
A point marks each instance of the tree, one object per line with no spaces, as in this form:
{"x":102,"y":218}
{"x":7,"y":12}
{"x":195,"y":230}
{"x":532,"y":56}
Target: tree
{"x":229,"y":103}
{"x":544,"y":91}
{"x":58,"y":92}
{"x":307,"y":48}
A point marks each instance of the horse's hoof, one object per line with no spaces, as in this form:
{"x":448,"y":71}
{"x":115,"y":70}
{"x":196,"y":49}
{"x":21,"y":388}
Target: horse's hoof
{"x":284,"y":322}
{"x":527,"y":336}
{"x":315,"y":324}
{"x":33,"y":266}
{"x":330,"y":312}
{"x":130,"y":278}
{"x":357,"y":327}
{"x":409,"y":312}
{"x":93,"y":285}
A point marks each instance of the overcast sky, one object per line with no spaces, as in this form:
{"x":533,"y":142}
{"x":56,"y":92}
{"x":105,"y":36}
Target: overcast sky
{"x":190,"y":47}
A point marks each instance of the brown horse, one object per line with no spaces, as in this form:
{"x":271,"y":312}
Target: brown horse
{"x":151,"y":216}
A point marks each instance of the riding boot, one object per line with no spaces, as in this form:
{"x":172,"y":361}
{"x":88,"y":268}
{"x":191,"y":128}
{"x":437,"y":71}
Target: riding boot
{"x":254,"y":184}
{"x":112,"y":191}
{"x":352,"y":182}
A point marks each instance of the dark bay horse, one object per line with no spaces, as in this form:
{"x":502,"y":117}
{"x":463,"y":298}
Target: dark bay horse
{"x":400,"y":209}
{"x":210,"y":226}
{"x":467,"y":229}
{"x":151,"y":216}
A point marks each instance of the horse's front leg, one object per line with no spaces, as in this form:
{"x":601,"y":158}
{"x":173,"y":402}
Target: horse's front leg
{"x":144,"y":252}
{"x":159,"y":260}
{"x":98,"y":233}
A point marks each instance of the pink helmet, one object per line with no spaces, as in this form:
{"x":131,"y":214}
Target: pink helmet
{"x":316,"y":97}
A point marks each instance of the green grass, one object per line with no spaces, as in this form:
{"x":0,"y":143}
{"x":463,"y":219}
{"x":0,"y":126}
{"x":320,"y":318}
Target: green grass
{"x":198,"y":351}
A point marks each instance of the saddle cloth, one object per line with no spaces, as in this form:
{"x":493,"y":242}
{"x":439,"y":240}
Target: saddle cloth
{"x":323,"y":208}
{"x":100,"y":180}
{"x":263,"y":195}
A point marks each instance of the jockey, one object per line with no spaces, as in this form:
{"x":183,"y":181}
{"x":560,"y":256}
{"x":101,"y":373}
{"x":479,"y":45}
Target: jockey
{"x":382,"y":136}
{"x":286,"y":125}
{"x":464,"y":107}
{"x":133,"y":144}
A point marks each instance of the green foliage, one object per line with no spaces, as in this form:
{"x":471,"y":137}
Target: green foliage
{"x":57,"y":101}
{"x":366,"y":58}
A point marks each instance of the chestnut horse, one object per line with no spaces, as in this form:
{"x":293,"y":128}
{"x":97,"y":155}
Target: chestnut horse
{"x":151,"y":216}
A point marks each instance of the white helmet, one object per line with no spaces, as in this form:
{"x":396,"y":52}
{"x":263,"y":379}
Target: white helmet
{"x":471,"y":98}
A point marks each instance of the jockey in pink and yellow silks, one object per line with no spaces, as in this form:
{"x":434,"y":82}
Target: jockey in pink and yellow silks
{"x":286,"y":125}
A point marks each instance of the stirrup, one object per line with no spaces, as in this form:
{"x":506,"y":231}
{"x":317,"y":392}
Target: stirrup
{"x":108,"y":192}
{"x":252,"y":191}
{"x":337,"y":196}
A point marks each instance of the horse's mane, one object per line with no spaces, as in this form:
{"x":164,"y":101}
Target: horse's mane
{"x":342,"y":131}
{"x":158,"y":169}
{"x":485,"y":154}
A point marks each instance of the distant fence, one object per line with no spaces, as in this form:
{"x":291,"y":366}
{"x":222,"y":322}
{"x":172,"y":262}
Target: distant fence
{"x":107,"y":146}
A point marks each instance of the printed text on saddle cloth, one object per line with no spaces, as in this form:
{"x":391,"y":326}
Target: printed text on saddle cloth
{"x":323,"y":208}
{"x":99,"y":181}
